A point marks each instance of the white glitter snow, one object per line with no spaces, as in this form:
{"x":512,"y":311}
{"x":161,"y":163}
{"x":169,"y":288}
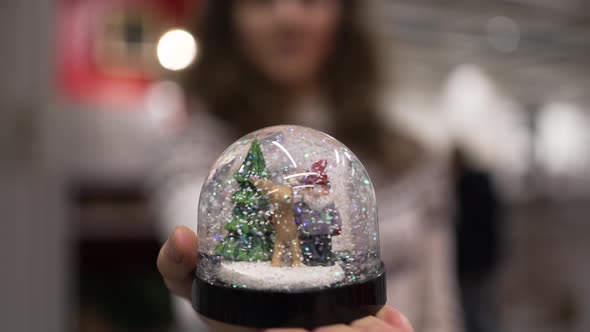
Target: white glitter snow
{"x":260,"y":275}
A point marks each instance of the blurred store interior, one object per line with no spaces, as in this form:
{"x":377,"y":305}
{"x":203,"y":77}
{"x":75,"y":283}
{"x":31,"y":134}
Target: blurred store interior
{"x":89,"y":90}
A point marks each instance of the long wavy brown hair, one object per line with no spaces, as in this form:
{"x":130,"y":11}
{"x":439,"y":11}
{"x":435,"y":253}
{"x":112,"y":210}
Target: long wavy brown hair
{"x":235,"y":91}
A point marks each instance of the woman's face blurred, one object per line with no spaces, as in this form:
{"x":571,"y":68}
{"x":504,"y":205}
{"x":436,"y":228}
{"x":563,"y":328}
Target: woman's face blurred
{"x":287,"y":40}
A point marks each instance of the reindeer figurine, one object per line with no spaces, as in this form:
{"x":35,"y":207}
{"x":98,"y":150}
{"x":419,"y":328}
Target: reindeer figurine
{"x":287,"y":235}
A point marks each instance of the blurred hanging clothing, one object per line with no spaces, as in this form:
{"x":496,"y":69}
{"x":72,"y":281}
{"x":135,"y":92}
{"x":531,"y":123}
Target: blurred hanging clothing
{"x":477,"y":242}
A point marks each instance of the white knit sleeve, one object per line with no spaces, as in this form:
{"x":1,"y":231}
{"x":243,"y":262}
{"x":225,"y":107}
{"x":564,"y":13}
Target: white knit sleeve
{"x":180,"y":174}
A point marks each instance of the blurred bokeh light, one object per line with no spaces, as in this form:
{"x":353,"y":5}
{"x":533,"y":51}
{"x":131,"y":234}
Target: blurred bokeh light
{"x":177,"y":49}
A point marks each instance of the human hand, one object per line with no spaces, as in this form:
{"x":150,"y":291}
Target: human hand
{"x":386,"y":320}
{"x":177,"y":261}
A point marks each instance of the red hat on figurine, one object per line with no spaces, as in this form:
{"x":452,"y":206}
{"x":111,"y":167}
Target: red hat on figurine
{"x":319,"y":177}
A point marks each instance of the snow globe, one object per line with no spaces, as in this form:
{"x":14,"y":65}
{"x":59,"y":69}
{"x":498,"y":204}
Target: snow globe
{"x":288,"y":233}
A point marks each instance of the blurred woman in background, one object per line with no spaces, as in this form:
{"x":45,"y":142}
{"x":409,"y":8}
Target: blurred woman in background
{"x":312,"y":63}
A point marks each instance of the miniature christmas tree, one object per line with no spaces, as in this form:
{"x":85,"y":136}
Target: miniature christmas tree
{"x":249,"y":237}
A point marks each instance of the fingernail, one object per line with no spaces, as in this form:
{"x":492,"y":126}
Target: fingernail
{"x":406,"y":324}
{"x":391,"y":318}
{"x":173,"y":251}
{"x":396,"y":319}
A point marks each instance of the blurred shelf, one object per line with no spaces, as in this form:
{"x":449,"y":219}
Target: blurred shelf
{"x":111,"y":210}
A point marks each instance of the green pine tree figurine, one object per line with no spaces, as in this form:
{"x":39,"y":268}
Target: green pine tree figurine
{"x":249,"y":228}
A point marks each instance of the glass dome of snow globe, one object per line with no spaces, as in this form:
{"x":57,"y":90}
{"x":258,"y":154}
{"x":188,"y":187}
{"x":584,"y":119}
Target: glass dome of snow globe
{"x":288,"y":233}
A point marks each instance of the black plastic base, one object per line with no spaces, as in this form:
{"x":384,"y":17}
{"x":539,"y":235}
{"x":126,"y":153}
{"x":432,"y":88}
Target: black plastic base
{"x":306,"y":309}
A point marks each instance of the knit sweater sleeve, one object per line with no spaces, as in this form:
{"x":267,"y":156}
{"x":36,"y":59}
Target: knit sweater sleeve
{"x":184,"y":164}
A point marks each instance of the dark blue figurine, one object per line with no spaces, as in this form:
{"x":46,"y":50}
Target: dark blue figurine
{"x":317,"y":218}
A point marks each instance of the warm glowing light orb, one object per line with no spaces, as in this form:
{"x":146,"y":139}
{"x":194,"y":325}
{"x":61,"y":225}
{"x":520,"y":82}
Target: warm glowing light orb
{"x":176,"y":49}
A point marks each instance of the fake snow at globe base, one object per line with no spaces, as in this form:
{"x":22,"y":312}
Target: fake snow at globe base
{"x":288,"y":233}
